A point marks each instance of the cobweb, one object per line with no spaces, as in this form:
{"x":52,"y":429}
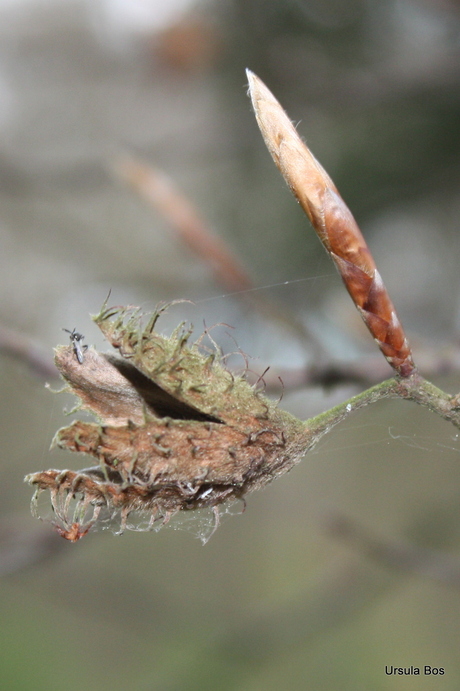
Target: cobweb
{"x":66,"y":510}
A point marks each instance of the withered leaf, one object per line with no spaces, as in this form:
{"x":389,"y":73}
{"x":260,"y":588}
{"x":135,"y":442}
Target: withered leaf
{"x":175,"y":430}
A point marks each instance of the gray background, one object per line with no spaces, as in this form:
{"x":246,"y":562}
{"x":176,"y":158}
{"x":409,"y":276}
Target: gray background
{"x":275,"y":599}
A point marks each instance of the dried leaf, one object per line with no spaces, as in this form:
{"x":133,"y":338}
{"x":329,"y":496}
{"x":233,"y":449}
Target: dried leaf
{"x":176,"y":430}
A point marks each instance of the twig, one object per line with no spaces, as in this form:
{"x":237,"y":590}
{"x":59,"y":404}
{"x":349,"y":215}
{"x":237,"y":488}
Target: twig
{"x":25,"y":349}
{"x":364,"y":371}
{"x":162,"y":194}
{"x":434,"y":564}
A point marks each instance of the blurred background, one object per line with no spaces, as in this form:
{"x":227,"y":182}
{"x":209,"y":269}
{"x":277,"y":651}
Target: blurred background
{"x":352,"y":561}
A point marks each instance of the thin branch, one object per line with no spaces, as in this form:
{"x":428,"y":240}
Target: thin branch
{"x":414,"y":388}
{"x":161,"y":193}
{"x":365,"y":371}
{"x":26,"y":350}
{"x":396,"y":555}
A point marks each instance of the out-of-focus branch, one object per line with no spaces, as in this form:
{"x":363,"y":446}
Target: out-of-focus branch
{"x":162,"y":194}
{"x":404,"y":556}
{"x":26,"y":350}
{"x":364,"y":371}
{"x":24,"y":544}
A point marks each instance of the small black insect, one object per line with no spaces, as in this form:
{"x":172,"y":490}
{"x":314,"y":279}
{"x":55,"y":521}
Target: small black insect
{"x":78,"y":347}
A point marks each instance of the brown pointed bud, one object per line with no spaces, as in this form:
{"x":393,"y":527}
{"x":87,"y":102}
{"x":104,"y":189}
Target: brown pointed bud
{"x":176,"y":431}
{"x":334,"y":224}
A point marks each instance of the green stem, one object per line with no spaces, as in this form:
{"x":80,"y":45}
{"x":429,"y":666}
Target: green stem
{"x":413,"y":388}
{"x":426,"y":394}
{"x":321,"y":424}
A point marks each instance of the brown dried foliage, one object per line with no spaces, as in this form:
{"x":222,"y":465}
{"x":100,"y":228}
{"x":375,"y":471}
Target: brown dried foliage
{"x":176,"y":430}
